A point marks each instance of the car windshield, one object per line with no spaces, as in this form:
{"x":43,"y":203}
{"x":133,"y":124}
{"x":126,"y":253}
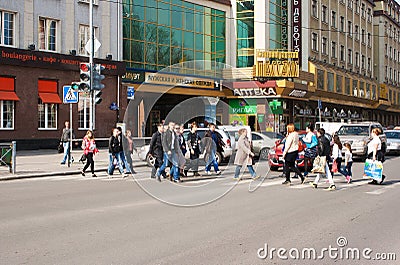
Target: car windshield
{"x":353,"y":130}
{"x":392,"y":135}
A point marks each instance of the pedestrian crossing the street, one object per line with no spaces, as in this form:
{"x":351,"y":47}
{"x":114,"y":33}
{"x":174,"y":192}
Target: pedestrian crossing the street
{"x":226,"y":180}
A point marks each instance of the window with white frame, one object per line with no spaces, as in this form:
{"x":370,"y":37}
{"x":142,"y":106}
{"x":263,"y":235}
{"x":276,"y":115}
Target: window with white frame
{"x":369,"y":15}
{"x":350,"y":4}
{"x":363,"y":36}
{"x":7,"y":114}
{"x":363,"y":10}
{"x":84,"y":113}
{"x":324,"y":14}
{"x":350,"y":56}
{"x":350,"y":29}
{"x":314,"y":42}
{"x":84,"y":37}
{"x":369,"y":64}
{"x":314,"y":8}
{"x":357,"y":6}
{"x":334,"y":49}
{"x":7,"y":28}
{"x":333,"y":23}
{"x":47,"y":115}
{"x":324,"y":49}
{"x":342,"y":53}
{"x":363,"y":62}
{"x":48,"y":34}
{"x":341,"y":26}
{"x":356,"y":33}
{"x":357,"y":60}
{"x":369,"y":39}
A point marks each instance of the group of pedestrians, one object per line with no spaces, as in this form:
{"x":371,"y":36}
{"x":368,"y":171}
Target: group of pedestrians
{"x":169,"y":148}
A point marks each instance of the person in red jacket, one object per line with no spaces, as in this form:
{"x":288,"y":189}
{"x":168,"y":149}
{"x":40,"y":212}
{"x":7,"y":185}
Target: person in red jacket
{"x":89,"y":149}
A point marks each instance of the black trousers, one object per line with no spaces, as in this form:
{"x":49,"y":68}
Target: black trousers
{"x":89,"y":162}
{"x":290,"y":165}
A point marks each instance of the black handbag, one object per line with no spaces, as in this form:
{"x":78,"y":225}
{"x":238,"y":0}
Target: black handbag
{"x":60,"y":148}
{"x":83,"y":158}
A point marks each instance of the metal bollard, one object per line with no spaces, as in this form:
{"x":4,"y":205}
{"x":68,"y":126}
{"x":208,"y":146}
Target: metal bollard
{"x":13,"y":157}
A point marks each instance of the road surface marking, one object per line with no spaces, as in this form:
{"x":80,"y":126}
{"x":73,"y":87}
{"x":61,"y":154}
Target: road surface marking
{"x":382,"y":190}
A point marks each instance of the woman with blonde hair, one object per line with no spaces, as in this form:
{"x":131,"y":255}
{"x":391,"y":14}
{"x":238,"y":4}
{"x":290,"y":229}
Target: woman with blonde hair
{"x":290,"y":154}
{"x":89,"y":149}
{"x":244,"y":155}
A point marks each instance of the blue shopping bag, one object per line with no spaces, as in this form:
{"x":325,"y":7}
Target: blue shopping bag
{"x":373,"y":169}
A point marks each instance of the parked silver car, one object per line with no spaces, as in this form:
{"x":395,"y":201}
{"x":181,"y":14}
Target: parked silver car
{"x":263,"y":142}
{"x":358,"y":135}
{"x":393,"y":141}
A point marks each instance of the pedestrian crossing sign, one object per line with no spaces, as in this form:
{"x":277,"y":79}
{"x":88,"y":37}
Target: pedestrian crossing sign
{"x":70,"y":95}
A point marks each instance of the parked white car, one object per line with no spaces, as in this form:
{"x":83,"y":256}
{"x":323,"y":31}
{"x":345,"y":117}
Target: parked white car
{"x":393,"y":141}
{"x":263,"y":142}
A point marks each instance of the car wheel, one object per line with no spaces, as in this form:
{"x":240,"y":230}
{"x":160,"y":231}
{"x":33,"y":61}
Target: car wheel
{"x":218,"y":157}
{"x":264,"y":154}
{"x":274,"y":168}
{"x":150,"y":160}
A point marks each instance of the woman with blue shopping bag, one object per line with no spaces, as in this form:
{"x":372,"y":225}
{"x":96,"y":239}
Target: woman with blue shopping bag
{"x":375,"y":153}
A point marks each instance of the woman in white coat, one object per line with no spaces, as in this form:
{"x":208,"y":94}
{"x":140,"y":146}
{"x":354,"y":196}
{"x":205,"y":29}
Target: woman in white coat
{"x":244,"y":155}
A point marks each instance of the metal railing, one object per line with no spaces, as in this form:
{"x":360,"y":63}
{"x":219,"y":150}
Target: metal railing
{"x":8,"y":154}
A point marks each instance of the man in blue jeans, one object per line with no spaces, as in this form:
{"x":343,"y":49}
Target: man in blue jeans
{"x":213,"y":142}
{"x":171,"y":149}
{"x":66,"y":135}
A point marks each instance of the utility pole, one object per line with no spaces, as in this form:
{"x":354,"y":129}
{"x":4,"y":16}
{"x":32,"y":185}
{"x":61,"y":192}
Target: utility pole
{"x":91,"y":33}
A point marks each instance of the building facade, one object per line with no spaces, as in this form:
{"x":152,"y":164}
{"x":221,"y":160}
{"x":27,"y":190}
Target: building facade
{"x":42,"y":44}
{"x":165,"y":36}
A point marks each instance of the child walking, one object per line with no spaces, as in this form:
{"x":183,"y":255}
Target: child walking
{"x":348,"y":162}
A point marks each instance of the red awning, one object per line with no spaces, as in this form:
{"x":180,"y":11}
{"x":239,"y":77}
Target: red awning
{"x":8,"y":95}
{"x":50,"y":98}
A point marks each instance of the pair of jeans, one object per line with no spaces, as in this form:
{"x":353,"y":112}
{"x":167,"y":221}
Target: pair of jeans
{"x":157,"y":163}
{"x":212,"y":160}
{"x":249,"y":167}
{"x":328,"y":175}
{"x":125,"y":162}
{"x":174,"y":168}
{"x":66,"y":152}
{"x":111,"y":165}
{"x":89,"y":162}
{"x":346,"y":170}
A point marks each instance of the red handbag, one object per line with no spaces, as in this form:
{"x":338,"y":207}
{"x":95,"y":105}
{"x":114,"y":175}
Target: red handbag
{"x":334,"y":167}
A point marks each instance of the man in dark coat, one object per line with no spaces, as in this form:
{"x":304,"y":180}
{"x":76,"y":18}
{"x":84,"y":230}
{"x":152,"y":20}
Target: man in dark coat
{"x":213,"y":143}
{"x":156,"y":150}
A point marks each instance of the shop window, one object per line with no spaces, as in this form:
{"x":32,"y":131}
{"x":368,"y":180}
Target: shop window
{"x":374,"y":92}
{"x":339,"y":80}
{"x":347,"y":86}
{"x":355,"y":88}
{"x":320,"y":79}
{"x":47,"y":104}
{"x":330,"y":82}
{"x":368,"y":91}
{"x":7,"y":98}
{"x":7,"y":28}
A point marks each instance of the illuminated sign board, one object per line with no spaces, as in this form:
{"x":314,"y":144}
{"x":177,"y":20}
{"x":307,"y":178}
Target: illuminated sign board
{"x":276,"y":64}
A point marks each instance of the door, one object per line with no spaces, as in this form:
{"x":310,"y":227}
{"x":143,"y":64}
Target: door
{"x":251,"y":121}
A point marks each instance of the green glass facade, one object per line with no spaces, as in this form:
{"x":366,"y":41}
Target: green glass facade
{"x":160,"y":33}
{"x":245,"y":33}
{"x":278,"y":28}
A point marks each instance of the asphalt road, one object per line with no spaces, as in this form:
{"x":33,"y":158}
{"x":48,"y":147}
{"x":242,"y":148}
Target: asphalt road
{"x":76,"y":220}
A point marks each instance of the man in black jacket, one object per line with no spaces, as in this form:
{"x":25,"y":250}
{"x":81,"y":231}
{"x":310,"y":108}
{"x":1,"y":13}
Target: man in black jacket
{"x":156,"y":150}
{"x":213,"y":143}
{"x":324,"y":151}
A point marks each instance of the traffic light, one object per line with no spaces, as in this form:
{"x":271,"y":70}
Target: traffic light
{"x":97,"y":96}
{"x":85,"y":76}
{"x":75,"y":86}
{"x":98,"y":77}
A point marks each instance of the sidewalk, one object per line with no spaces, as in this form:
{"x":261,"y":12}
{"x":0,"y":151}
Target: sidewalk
{"x":44,"y":163}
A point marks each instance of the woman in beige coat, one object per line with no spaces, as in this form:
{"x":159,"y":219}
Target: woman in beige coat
{"x":244,"y":155}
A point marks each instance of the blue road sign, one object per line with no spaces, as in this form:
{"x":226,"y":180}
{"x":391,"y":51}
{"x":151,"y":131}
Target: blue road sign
{"x":70,"y":95}
{"x":319,"y":104}
{"x":131,"y":92}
